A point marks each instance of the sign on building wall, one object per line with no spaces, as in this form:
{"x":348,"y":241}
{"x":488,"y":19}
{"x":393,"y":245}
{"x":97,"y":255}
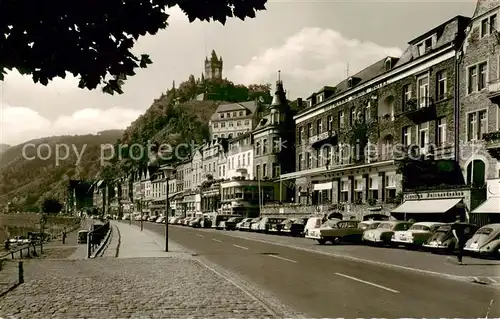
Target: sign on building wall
{"x":437,"y":195}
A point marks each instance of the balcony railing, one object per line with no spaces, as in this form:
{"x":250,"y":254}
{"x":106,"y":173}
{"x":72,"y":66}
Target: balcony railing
{"x":493,"y":143}
{"x":420,"y":109}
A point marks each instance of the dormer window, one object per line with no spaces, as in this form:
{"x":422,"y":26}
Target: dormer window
{"x":350,"y":82}
{"x":488,"y":25}
{"x":222,"y":115}
{"x":319,"y":98}
{"x":388,"y":64}
{"x":425,"y":46}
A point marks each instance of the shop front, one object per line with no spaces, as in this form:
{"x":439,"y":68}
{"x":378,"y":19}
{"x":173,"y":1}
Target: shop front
{"x":443,"y":205}
{"x":489,"y":211}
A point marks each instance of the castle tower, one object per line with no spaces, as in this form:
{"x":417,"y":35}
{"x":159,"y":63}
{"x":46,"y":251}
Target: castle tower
{"x":213,"y":67}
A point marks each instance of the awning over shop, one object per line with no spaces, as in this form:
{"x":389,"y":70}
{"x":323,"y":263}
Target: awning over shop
{"x":490,"y":206}
{"x":438,"y":206}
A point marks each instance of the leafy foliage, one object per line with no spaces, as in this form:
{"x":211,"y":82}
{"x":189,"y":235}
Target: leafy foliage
{"x":93,"y":40}
{"x":51,"y":205}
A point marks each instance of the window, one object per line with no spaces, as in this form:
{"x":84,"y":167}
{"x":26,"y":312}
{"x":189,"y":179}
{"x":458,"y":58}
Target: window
{"x":367,"y":115}
{"x":477,"y":77}
{"x":241,"y":113}
{"x":441,"y":85}
{"x":309,"y":130}
{"x":309,"y":160}
{"x":482,"y":76}
{"x":319,"y":126}
{"x":428,"y":44}
{"x":423,"y":135}
{"x":247,"y":122}
{"x":319,"y":98}
{"x":222,"y":115}
{"x":388,"y":64}
{"x":441,"y":131}
{"x":329,"y":121}
{"x":352,"y":120}
{"x":301,"y":162}
{"x":327,"y":155}
{"x":230,"y":123}
{"x":476,"y":125}
{"x":341,"y":119}
{"x":244,"y":159}
{"x":406,"y":94}
{"x":215,"y":136}
{"x":406,"y":136}
{"x":234,"y":114}
{"x":264,"y":170}
{"x":223,"y":135}
{"x":301,"y":134}
{"x":276,"y":144}
{"x":216,"y":125}
{"x":349,"y":82}
{"x":421,"y":49}
{"x":238,"y":123}
{"x":488,"y":25}
{"x":239,"y":161}
{"x":223,"y":124}
{"x":264,"y":146}
{"x":423,"y":91}
{"x":257,"y":148}
{"x":276,"y":170}
{"x":228,"y":115}
{"x":257,"y":171}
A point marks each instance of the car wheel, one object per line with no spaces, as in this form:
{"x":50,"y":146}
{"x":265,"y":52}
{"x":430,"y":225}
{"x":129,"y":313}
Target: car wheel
{"x":321,"y":241}
{"x":335,"y":240}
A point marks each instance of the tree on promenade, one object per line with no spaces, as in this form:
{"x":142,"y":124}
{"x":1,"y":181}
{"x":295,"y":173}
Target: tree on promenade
{"x":93,"y":39}
{"x":51,"y":206}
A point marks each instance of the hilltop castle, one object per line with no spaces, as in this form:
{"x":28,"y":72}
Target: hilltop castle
{"x":213,"y":67}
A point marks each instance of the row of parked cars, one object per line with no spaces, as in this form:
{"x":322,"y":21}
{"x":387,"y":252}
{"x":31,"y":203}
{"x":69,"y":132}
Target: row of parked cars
{"x":433,"y":236}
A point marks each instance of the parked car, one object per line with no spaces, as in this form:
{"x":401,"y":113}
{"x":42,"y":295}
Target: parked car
{"x":218,"y":219}
{"x":312,"y":223}
{"x":152,"y":218}
{"x":293,"y":226}
{"x":383,"y":233}
{"x":160,"y":220}
{"x":195,"y":223}
{"x":416,"y":235}
{"x":486,"y":241}
{"x":369,"y":224}
{"x":273,"y":224}
{"x":243,"y":221}
{"x":246,"y":226}
{"x":337,"y":231}
{"x":187,"y":220}
{"x":180,"y":221}
{"x":230,"y":224}
{"x":442,"y":240}
{"x":206,"y":222}
{"x":255,"y":225}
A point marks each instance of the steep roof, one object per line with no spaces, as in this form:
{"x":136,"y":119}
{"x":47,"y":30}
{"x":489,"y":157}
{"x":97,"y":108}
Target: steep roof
{"x":248,"y":105}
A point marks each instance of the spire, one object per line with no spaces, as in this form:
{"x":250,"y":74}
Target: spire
{"x":173,"y":84}
{"x":214,"y":56}
{"x":279,"y":94}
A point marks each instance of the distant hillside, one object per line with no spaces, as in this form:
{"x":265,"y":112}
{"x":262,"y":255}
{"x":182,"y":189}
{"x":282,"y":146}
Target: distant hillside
{"x":25,"y":179}
{"x":4,"y":147}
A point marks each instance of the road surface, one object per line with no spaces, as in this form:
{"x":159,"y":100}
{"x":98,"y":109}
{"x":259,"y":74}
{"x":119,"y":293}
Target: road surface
{"x":326,"y":286}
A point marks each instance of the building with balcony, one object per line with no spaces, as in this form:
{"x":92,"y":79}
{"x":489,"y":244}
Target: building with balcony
{"x":350,"y":136}
{"x":231,"y":120}
{"x":479,"y":64}
{"x":213,"y":154}
{"x":239,"y":157}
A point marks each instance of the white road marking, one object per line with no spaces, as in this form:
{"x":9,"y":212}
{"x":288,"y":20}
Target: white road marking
{"x":240,"y":247}
{"x":219,"y":241}
{"x":283,"y":258}
{"x":200,"y":235}
{"x":367,"y":282}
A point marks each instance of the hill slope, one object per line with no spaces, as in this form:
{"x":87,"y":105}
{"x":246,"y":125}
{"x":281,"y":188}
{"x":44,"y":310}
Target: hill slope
{"x":4,"y":147}
{"x":26,"y":177}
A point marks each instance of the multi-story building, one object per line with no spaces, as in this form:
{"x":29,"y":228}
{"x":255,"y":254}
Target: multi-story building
{"x":479,"y":131}
{"x":183,"y":180}
{"x":246,"y":192}
{"x":348,"y":137}
{"x":274,"y":142}
{"x":210,"y":187}
{"x":231,"y":120}
{"x":239,"y":157}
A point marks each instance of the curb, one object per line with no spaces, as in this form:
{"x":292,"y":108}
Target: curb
{"x":103,"y":244}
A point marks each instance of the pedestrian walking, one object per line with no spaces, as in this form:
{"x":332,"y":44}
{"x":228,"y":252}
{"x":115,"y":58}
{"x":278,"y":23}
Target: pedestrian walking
{"x":64,"y":237}
{"x":459,"y":234}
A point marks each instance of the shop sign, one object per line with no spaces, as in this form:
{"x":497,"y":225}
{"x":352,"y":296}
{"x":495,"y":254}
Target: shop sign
{"x":429,"y":195}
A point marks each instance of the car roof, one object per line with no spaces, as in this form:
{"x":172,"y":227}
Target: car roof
{"x":494,"y":226}
{"x":429,"y":224}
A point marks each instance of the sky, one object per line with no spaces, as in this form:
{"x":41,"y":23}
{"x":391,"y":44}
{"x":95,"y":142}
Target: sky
{"x":313,"y":43}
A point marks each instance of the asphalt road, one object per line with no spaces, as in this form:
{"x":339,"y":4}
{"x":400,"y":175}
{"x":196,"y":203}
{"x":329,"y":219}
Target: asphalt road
{"x":326,"y":286}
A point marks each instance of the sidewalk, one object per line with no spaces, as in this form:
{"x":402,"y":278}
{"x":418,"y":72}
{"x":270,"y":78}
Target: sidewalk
{"x":143,"y":282}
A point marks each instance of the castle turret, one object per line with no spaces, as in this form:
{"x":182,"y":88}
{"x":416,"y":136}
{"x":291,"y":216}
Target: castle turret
{"x":213,"y":67}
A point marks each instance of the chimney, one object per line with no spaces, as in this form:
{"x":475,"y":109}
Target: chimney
{"x":299,"y":103}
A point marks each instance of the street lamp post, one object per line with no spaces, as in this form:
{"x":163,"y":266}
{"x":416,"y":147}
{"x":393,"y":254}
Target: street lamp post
{"x":168,"y":171}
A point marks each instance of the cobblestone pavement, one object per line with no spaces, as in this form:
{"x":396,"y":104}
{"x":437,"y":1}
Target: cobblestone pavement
{"x":127,"y":288}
